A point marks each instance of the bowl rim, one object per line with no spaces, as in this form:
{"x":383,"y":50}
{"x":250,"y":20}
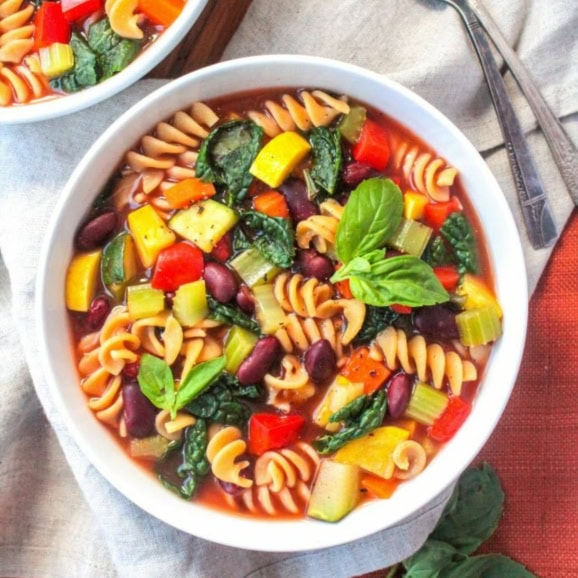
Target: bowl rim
{"x":304,"y":535}
{"x":50,"y":108}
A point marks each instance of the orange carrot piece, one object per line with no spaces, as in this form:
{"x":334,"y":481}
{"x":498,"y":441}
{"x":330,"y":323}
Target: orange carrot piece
{"x":379,"y":487}
{"x":344,"y":289}
{"x":188,"y":191}
{"x":163,"y":12}
{"x":272,"y":204}
{"x":361,"y":368}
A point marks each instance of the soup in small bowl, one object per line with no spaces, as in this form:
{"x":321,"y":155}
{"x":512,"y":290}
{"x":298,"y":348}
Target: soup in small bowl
{"x":283,"y":305}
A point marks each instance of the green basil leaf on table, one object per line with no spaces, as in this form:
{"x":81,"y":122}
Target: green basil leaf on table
{"x":430,"y":559}
{"x":371,"y":216}
{"x":327,"y":157}
{"x":486,"y":566}
{"x":156,"y":381}
{"x":226,"y":155}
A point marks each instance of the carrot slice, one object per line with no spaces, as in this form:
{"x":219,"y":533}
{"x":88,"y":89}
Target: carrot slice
{"x":188,"y":191}
{"x":272,"y":204}
{"x":163,"y":12}
{"x":379,"y":487}
{"x":364,"y":369}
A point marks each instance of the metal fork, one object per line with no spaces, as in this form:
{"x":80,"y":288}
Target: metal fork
{"x":535,"y":207}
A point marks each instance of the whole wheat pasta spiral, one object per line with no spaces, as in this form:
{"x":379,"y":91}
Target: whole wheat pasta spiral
{"x":316,"y":108}
{"x":225,"y":448}
{"x":301,"y":296}
{"x":428,"y":361}
{"x":320,"y":230}
{"x":16,"y":30}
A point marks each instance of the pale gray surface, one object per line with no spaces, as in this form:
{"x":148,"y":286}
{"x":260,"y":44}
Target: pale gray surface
{"x":54,"y":524}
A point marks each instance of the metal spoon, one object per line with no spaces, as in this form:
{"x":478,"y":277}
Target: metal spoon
{"x":535,"y":207}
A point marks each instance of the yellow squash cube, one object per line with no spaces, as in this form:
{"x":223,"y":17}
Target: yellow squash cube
{"x":150,"y":234}
{"x":81,"y":279}
{"x":414,"y":205}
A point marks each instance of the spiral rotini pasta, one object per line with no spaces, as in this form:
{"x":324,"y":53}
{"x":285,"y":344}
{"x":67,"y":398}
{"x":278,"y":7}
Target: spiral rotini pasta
{"x":428,"y":361}
{"x":320,"y":230}
{"x":300,"y":296}
{"x":223,"y":452}
{"x":16,"y":30}
{"x":123,"y":18}
{"x":293,"y":386}
{"x":316,"y":108}
{"x":21,"y":83}
{"x":172,"y":429}
{"x":410,"y":459}
{"x":281,"y":481}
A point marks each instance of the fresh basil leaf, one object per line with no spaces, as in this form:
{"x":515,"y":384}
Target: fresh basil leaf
{"x":197,"y":380}
{"x":473,"y":512}
{"x":327,"y":157}
{"x":486,"y":566}
{"x":371,"y":216}
{"x":155,"y":380}
{"x":430,"y":559}
{"x":406,"y":280}
{"x":358,"y":265}
{"x":274,"y":237}
{"x":226,"y":155}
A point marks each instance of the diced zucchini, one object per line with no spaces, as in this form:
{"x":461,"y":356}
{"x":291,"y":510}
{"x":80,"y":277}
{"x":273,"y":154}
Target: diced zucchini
{"x":119,"y":264}
{"x":253,"y":268}
{"x":56,"y":59}
{"x":190,"y":303}
{"x":374,"y":452}
{"x":152,"y":448}
{"x":479,"y":326}
{"x":144,"y":301}
{"x":426,"y":404}
{"x":279,"y":157}
{"x":81,"y":279}
{"x":150,"y":234}
{"x":205,"y":223}
{"x":238,"y":345}
{"x":269,"y":313}
{"x":414,"y":205}
{"x":352,"y":123}
{"x":338,"y":395}
{"x":411,"y":237}
{"x":477,"y":294}
{"x":335,"y":492}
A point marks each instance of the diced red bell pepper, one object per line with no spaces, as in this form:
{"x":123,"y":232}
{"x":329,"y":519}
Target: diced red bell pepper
{"x":176,"y":265}
{"x":74,"y":10}
{"x":372,"y":147}
{"x":272,"y":431}
{"x":448,"y":276}
{"x":436,"y":213}
{"x":223,"y":250}
{"x":361,"y":368}
{"x":401,"y":309}
{"x":50,"y":25}
{"x":450,"y":421}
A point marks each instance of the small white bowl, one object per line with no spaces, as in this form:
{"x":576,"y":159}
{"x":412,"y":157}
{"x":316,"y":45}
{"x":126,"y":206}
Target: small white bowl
{"x":505,"y":255}
{"x":144,"y":63}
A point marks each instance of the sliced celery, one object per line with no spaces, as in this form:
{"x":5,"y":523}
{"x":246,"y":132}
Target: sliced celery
{"x":144,"y":301}
{"x":479,"y":326}
{"x":269,"y":313}
{"x":253,"y":268}
{"x":426,"y":404}
{"x":190,"y":303}
{"x":352,"y":123}
{"x":411,"y":237}
{"x":238,"y":345}
{"x":153,"y":447}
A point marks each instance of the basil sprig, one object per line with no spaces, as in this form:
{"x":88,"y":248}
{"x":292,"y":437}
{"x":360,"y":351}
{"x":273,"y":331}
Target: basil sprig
{"x":371,"y":216}
{"x":156,"y":381}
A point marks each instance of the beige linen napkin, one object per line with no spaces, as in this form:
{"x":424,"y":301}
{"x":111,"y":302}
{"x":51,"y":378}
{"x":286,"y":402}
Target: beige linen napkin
{"x":54,"y":524}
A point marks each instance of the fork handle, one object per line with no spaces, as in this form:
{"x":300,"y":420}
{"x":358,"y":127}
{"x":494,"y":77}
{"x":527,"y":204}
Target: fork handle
{"x":535,"y":207}
{"x":563,"y":149}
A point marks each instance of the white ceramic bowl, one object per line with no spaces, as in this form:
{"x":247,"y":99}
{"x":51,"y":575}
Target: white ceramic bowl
{"x":144,"y":63}
{"x":92,"y":174}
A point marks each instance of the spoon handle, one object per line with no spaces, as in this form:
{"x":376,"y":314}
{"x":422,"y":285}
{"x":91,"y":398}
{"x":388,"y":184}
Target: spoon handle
{"x":535,"y":207}
{"x":563,"y":149}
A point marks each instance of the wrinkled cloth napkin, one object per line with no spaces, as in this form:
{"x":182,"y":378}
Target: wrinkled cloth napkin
{"x":58,"y":516}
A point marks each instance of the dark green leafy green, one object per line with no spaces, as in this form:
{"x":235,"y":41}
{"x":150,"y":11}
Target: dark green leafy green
{"x":460,"y":236}
{"x":437,"y":253}
{"x":371,"y":216}
{"x":376,"y":319}
{"x":274,"y":237}
{"x":360,"y":417}
{"x":231,"y":315}
{"x":156,"y":381}
{"x":240,"y":240}
{"x":430,"y":559}
{"x":226,"y":155}
{"x":487,"y":566}
{"x":85,"y":71}
{"x":327,"y":157}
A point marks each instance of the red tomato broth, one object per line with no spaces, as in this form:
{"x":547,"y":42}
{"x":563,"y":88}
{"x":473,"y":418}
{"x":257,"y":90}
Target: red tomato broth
{"x":209,"y":492}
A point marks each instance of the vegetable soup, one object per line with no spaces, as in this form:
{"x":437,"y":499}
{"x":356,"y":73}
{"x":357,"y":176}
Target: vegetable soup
{"x":52,"y":48}
{"x":282,"y":304}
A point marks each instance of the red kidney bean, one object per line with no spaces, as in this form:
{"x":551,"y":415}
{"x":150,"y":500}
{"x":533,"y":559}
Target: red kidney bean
{"x":130,"y":370}
{"x":139,"y":412}
{"x":320,"y":361}
{"x":224,"y":247}
{"x":355,"y":172}
{"x":398,"y":394}
{"x":96,"y":232}
{"x":313,"y":264}
{"x":300,"y":206}
{"x":437,"y":320}
{"x":221,"y":282}
{"x":245,"y":299}
{"x":97,"y":312}
{"x":264,"y":355}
